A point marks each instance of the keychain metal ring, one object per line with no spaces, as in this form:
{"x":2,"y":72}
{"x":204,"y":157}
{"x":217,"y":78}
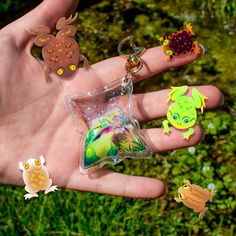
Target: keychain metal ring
{"x":134,"y":69}
{"x":137,"y":50}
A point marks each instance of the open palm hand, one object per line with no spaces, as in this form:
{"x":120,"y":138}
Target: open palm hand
{"x":34,"y":121}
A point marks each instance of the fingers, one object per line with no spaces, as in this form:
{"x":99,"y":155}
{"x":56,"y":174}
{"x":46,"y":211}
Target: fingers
{"x":107,"y":182}
{"x":160,"y":142}
{"x":107,"y":71}
{"x":153,"y":59}
{"x":47,"y":13}
{"x":153,"y":105}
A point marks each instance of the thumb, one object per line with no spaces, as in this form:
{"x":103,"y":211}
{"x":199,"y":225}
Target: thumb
{"x":47,"y":13}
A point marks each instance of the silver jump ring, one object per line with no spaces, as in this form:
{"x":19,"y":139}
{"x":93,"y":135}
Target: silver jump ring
{"x":127,"y":80}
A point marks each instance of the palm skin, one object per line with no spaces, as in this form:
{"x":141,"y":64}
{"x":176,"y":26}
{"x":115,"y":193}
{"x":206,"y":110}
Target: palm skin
{"x":34,"y":121}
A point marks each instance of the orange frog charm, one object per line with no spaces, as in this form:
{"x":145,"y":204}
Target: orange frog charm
{"x":61,"y":52}
{"x":195,"y":197}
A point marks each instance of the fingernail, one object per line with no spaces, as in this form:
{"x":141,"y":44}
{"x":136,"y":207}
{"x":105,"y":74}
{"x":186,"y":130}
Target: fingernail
{"x":222,"y":99}
{"x":203,"y":135}
{"x":203,"y":50}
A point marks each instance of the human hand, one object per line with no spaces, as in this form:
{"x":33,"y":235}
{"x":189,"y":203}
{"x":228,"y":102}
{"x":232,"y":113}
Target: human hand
{"x":34,"y":121}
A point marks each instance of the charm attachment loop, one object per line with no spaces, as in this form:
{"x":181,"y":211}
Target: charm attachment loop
{"x":134,"y":62}
{"x":137,"y":50}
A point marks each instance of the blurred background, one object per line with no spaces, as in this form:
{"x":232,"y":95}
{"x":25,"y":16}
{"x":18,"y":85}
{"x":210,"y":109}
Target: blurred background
{"x":101,"y":25}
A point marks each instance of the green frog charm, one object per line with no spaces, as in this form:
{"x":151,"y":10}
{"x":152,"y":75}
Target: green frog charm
{"x":98,"y":143}
{"x":111,"y":138}
{"x":182,"y":112}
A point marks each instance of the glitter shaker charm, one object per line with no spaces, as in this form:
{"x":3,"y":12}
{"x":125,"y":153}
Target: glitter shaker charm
{"x":111,"y":134}
{"x":109,"y":130}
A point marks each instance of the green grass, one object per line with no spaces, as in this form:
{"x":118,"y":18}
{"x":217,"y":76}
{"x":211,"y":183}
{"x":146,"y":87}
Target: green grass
{"x":211,"y":162}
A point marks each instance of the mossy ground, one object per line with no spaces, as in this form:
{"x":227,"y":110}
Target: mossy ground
{"x":101,"y":25}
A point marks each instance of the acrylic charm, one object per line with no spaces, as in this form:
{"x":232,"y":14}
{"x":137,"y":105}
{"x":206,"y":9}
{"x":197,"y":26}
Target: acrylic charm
{"x":182,"y":113}
{"x":195,"y":197}
{"x":104,"y":118}
{"x":36,"y":177}
{"x":180,"y":43}
{"x":61,"y":53}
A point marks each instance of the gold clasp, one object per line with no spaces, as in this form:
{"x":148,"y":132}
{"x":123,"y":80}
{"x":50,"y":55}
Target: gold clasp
{"x":134,"y":62}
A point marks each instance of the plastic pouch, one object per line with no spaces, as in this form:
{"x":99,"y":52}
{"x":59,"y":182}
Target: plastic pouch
{"x":110,"y":132}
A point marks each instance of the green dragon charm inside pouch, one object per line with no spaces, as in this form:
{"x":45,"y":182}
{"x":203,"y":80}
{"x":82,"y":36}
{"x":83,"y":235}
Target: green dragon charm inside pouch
{"x":182,"y":113}
{"x":110,"y":133}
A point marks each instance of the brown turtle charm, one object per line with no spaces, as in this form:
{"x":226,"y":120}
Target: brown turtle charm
{"x":61,"y":52}
{"x":180,"y":43}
